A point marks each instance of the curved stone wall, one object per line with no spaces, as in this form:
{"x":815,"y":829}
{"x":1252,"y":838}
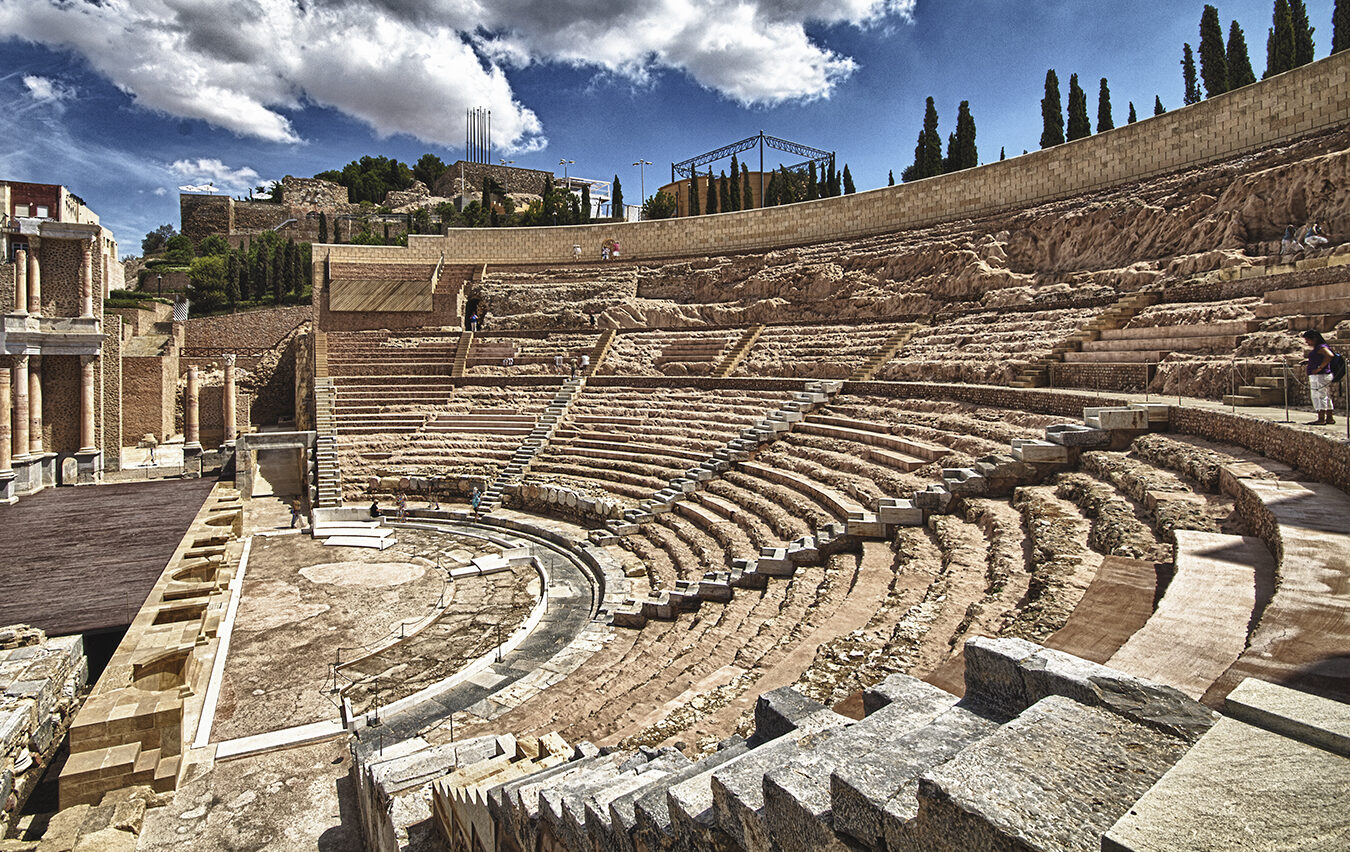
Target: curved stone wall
{"x":1284,"y":108}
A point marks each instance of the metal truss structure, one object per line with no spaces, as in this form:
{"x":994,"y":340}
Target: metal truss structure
{"x":689,"y":168}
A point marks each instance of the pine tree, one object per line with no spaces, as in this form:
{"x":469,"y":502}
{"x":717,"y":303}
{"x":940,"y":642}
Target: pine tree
{"x":723,"y":193}
{"x":323,"y":228}
{"x":812,"y":187}
{"x":1079,"y":126}
{"x":1303,"y":33}
{"x":890,"y":177}
{"x":1052,"y":112}
{"x":693,"y":195}
{"x":747,"y":195}
{"x":1157,"y":106}
{"x":1281,"y":47}
{"x":1213,"y":62}
{"x":616,"y":204}
{"x":1134,"y":116}
{"x":1192,"y":94}
{"x":735,"y":189}
{"x":1340,"y":26}
{"x":928,"y":150}
{"x":1240,"y":71}
{"x":849,"y":188}
{"x":1104,"y":120}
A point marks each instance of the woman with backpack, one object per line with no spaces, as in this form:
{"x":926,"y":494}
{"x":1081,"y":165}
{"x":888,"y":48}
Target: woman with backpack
{"x":1320,"y":358}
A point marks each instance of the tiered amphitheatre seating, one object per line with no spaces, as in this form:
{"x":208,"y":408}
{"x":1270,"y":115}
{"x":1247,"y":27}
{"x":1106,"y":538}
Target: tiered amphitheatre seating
{"x":473,"y":433}
{"x":816,"y":351}
{"x":992,"y":347}
{"x":386,"y":381}
{"x":1143,"y":344}
{"x":630,"y":441}
{"x":531,"y":353}
{"x":669,"y":352}
{"x":532,"y":297}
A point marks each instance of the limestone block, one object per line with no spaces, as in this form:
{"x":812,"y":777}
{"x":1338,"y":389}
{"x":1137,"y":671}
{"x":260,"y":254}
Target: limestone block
{"x":1299,"y":715}
{"x":1074,"y":435}
{"x":1115,"y":418}
{"x":1039,"y":452}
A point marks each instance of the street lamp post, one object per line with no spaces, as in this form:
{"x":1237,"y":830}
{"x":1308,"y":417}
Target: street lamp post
{"x":642,"y":177}
{"x":506,"y":182}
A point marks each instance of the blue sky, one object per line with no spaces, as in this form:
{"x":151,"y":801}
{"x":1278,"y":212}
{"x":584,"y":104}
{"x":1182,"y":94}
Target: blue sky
{"x":126,"y":100}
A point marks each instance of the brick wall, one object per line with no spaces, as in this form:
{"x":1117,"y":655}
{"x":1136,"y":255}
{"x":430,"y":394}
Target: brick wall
{"x":1286,"y":107}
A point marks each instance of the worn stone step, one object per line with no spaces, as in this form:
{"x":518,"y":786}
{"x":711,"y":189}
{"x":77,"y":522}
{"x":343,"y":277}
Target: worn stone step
{"x":650,"y":811}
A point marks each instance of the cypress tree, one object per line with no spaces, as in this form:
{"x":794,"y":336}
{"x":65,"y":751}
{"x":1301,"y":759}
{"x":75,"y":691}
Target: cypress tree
{"x":1002,"y":154}
{"x":245,"y":287}
{"x":1157,"y":106}
{"x":723,"y":193}
{"x":1340,"y":26}
{"x":693,"y":195}
{"x":734,"y":190}
{"x":963,"y":152}
{"x":1133,"y":115}
{"x":232,"y":279}
{"x":771,"y":191}
{"x":890,"y":177}
{"x":1303,"y":33}
{"x":297,"y":273}
{"x":747,"y":195}
{"x":712,"y":193}
{"x":616,"y":205}
{"x":323,"y":227}
{"x":1104,"y":120}
{"x":1213,"y":62}
{"x":1052,"y":112}
{"x":279,"y":282}
{"x":849,"y":188}
{"x":928,"y":151}
{"x":1192,"y":95}
{"x":1240,"y":71}
{"x":586,"y":203}
{"x":1079,"y":126}
{"x":1281,"y":47}
{"x":812,"y":187}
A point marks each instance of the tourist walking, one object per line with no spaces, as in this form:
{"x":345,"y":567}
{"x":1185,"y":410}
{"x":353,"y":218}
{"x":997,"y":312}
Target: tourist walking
{"x":1319,"y":376}
{"x":473,"y":322}
{"x":433,"y":502}
{"x":573,"y":364}
{"x":474,"y":499}
{"x":296,"y":514}
{"x":402,"y":507}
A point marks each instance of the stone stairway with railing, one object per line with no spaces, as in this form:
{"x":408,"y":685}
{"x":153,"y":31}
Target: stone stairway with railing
{"x":600,"y":351}
{"x":328,"y":472}
{"x":883,"y":355}
{"x":733,"y":358}
{"x":461,"y":362}
{"x":1027,"y":462}
{"x":514,"y":472}
{"x":1037,"y":373}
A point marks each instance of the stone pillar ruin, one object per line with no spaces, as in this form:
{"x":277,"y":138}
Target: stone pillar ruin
{"x":20,"y":432}
{"x":87,"y":280}
{"x":87,"y":441}
{"x":20,"y":282}
{"x":6,"y":472}
{"x":34,"y":401}
{"x":230,"y":433}
{"x":192,"y":441}
{"x":34,"y":285}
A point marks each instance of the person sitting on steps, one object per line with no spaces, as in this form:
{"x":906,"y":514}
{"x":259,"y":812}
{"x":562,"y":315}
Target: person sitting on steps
{"x":1315,"y":239}
{"x":1319,"y":376}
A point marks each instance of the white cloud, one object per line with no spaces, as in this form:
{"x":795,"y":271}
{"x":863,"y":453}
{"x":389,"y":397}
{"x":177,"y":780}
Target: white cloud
{"x":47,"y":90}
{"x":415,"y":66}
{"x":235,"y":181}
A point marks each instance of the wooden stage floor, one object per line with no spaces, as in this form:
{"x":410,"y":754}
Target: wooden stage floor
{"x":75,"y":560}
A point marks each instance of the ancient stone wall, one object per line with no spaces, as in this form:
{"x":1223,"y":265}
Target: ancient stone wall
{"x":513,"y":180}
{"x":304,"y":381}
{"x":60,"y":264}
{"x":7,"y":287}
{"x":61,"y":403}
{"x":251,"y":217}
{"x":109,"y":424}
{"x":314,"y":194}
{"x":1284,"y":108}
{"x":243,"y":332}
{"x":201,"y":216}
{"x":210,"y":405}
{"x":1322,"y":456}
{"x":1132,"y":378}
{"x":149,"y":386}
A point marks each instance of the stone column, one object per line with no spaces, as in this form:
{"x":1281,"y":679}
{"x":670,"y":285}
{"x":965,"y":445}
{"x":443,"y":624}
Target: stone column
{"x":19,"y":436}
{"x":230,"y":433}
{"x":87,"y":363}
{"x":34,"y":402}
{"x":34,"y":285}
{"x":20,"y":282}
{"x":87,"y":280}
{"x":191,"y":420}
{"x":4,"y":420}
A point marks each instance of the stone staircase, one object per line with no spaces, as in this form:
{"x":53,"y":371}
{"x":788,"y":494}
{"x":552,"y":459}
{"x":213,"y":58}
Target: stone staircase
{"x":328,"y":473}
{"x":1037,"y":373}
{"x":462,"y":355}
{"x":733,"y":358}
{"x":1046,"y":751}
{"x":883,"y":355}
{"x":600,"y":351}
{"x":534,"y":443}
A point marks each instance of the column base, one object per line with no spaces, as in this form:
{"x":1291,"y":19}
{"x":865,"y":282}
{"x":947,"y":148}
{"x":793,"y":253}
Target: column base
{"x":90,"y":466}
{"x":33,"y":473}
{"x":192,"y":461}
{"x":7,"y":494}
